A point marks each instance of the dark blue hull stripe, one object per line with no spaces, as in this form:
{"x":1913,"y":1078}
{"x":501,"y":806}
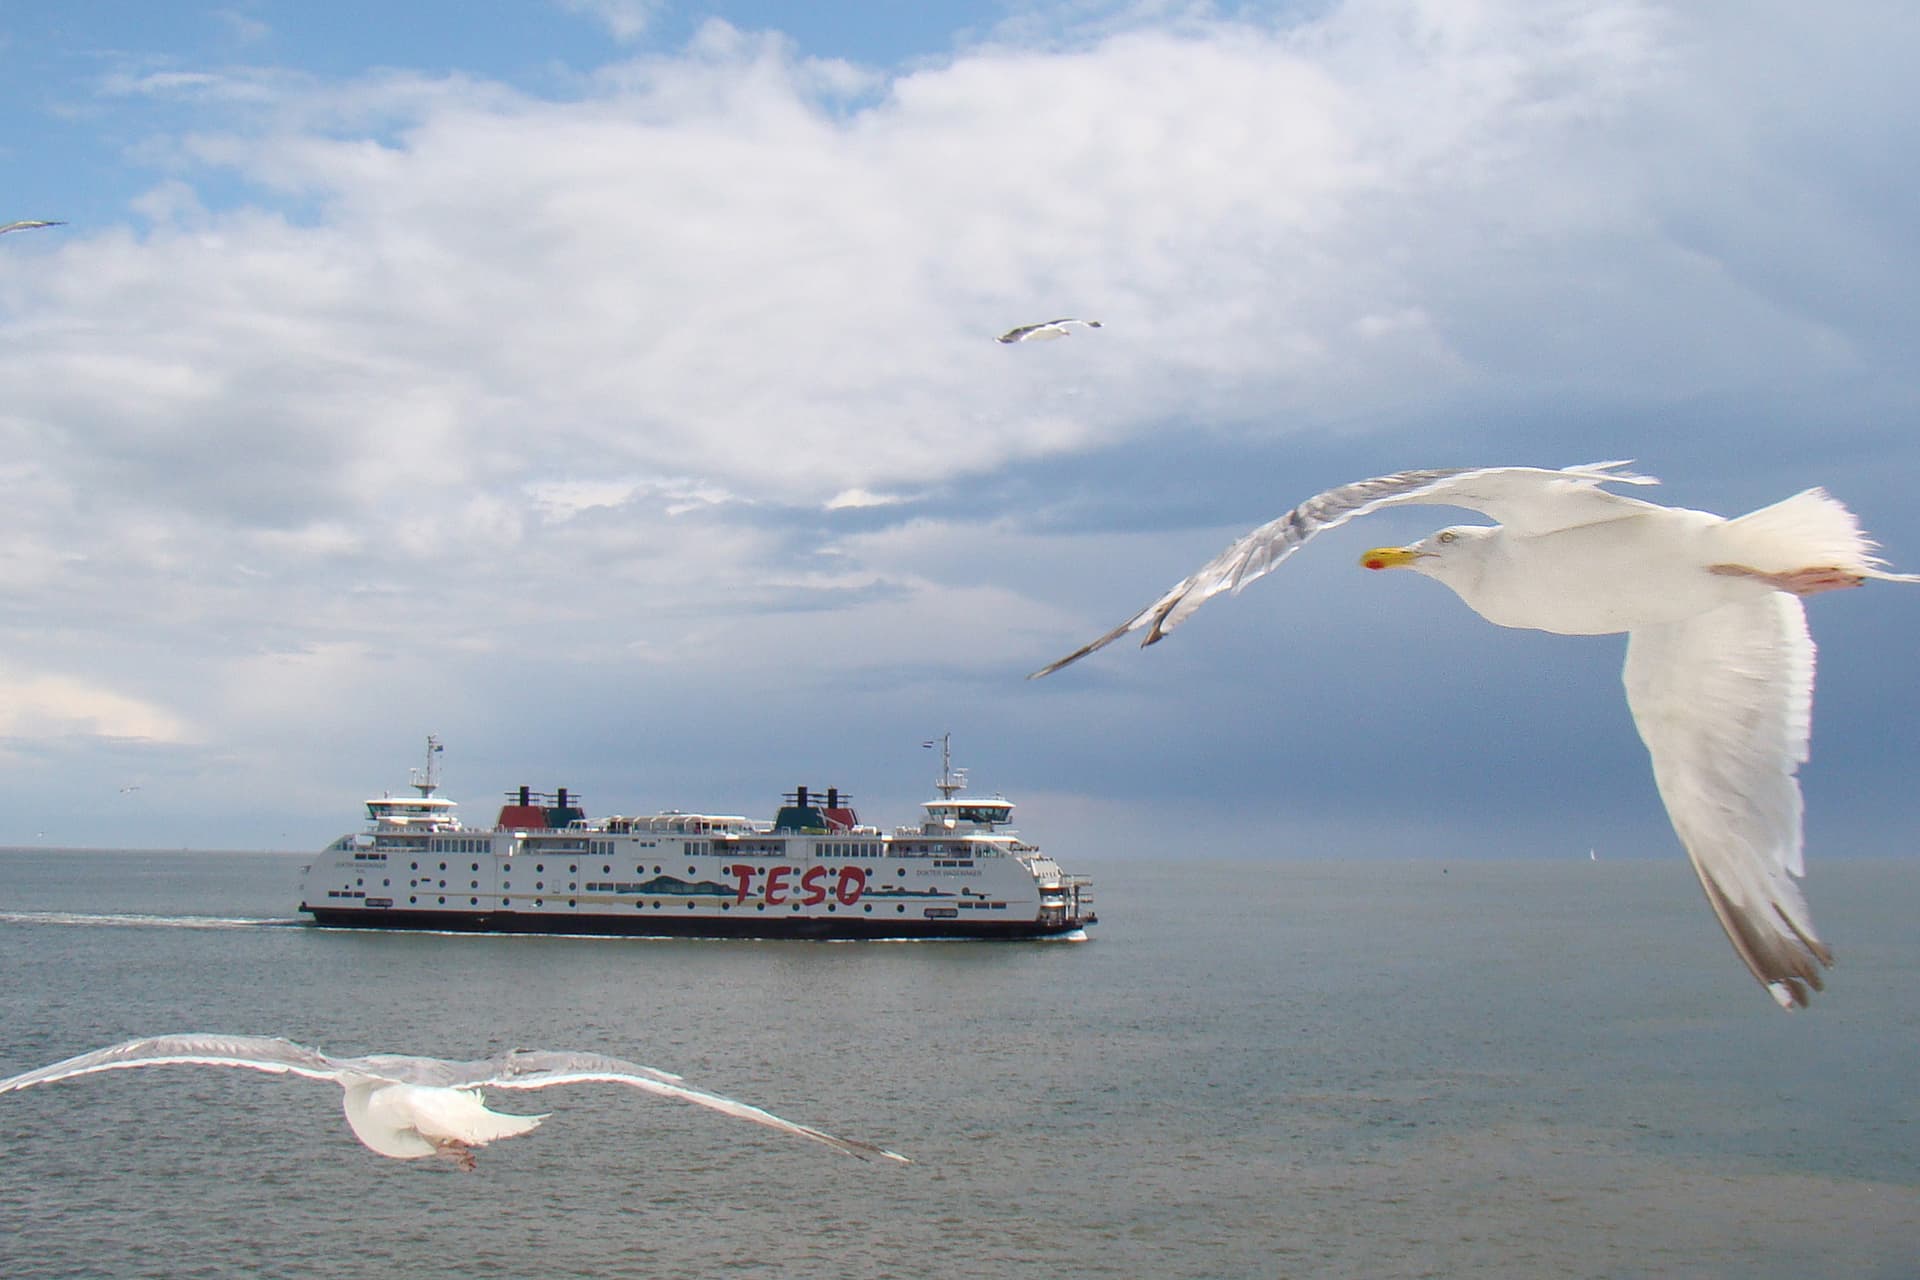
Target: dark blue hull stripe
{"x":665,"y":926}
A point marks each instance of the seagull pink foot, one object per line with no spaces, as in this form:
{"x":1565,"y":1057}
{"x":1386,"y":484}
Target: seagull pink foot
{"x":458,"y":1152}
{"x":1799,"y":582}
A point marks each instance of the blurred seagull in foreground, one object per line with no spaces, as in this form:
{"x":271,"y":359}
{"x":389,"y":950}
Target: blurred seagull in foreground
{"x":1719,"y":671}
{"x":407,"y":1107}
{"x":1045,"y":330}
{"x":28,"y":225}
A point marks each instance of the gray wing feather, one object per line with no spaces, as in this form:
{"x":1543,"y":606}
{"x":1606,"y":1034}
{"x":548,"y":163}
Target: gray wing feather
{"x":533,"y":1069}
{"x":1021,"y":333}
{"x":256,"y":1053}
{"x":1724,"y":703}
{"x":1527,"y":498}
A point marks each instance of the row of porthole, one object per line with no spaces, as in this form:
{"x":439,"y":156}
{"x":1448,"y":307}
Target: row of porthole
{"x":641,"y":870}
{"x":869,"y":872}
{"x":725,"y":906}
{"x":475,"y":884}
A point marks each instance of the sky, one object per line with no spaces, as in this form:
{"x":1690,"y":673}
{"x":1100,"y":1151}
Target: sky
{"x":609,"y":388}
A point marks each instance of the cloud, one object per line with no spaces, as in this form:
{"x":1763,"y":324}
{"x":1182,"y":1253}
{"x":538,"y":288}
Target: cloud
{"x":689,"y":365}
{"x":49,"y":706}
{"x":625,"y":20}
{"x":848,"y":499}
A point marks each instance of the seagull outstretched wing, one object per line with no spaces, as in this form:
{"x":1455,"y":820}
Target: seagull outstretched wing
{"x":1526,"y":499}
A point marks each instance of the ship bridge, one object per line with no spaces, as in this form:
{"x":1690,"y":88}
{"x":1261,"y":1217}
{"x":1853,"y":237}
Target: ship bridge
{"x":966,"y":815}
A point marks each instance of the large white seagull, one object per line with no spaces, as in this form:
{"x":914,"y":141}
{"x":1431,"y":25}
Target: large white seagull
{"x":410,"y":1107}
{"x":1719,"y":671}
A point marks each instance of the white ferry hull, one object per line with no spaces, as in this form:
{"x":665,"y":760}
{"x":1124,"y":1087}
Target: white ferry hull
{"x":810,"y":929}
{"x":767,"y":886}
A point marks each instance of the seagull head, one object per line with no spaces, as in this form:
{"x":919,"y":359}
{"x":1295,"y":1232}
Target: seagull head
{"x":1432,"y":555}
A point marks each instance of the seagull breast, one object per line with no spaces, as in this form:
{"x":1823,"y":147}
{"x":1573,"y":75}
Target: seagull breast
{"x":407,"y":1121}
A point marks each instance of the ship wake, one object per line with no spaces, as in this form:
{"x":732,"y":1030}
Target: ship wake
{"x":140,"y":920}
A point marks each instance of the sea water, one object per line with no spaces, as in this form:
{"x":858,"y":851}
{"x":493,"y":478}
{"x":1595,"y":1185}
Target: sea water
{"x":1273,"y":1068}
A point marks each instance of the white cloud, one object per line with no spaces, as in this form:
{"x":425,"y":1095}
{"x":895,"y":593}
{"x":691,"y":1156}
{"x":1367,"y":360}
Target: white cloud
{"x":47,"y":705}
{"x":852,"y":499}
{"x":625,"y":20}
{"x":409,"y":364}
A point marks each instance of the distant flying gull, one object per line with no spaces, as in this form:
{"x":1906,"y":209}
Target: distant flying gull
{"x":1719,"y":672}
{"x":408,"y":1107}
{"x":28,"y":225}
{"x":1045,"y":330}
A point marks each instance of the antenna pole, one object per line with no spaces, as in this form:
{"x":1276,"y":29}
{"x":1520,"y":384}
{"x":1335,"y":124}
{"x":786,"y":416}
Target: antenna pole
{"x":427,"y":781}
{"x":951,"y":779}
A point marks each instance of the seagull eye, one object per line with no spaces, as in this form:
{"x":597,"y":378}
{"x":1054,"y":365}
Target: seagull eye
{"x":1449,"y":536}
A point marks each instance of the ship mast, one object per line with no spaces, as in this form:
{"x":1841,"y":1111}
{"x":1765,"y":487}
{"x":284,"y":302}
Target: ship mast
{"x":427,"y":781}
{"x":951,"y":779}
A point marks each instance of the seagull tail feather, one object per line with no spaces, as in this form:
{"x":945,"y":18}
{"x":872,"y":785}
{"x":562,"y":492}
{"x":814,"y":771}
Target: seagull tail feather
{"x":1810,"y":529}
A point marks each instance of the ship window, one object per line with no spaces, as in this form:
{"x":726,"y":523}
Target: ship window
{"x":539,"y":884}
{"x":539,"y":866}
{"x":506,"y":902}
{"x":476,"y":866}
{"x":443,"y":866}
{"x":693,"y":871}
{"x":473,"y":901}
{"x":412,"y":900}
{"x":443,"y":902}
{"x":473,"y":884}
{"x":505,"y":884}
{"x":413,"y":866}
{"x":536,"y":902}
{"x":606,"y":871}
{"x":573,"y":870}
{"x":690,"y":907}
{"x":572,"y":903}
{"x":901,"y":908}
{"x":869,"y":908}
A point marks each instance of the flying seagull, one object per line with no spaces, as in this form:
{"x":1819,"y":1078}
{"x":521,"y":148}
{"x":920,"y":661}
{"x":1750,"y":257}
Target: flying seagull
{"x":28,"y":225}
{"x":407,"y":1107}
{"x":1719,"y":670}
{"x":1045,"y":330}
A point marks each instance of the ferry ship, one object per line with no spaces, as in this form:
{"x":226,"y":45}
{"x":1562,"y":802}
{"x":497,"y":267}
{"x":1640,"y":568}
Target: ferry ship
{"x":814,"y":871}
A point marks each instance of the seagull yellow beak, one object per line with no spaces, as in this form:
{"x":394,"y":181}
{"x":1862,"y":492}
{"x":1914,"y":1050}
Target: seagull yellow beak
{"x":1389,"y":558}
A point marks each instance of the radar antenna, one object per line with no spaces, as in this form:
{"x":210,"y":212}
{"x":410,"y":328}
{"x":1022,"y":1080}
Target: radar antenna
{"x":427,"y":781}
{"x":951,"y":779}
